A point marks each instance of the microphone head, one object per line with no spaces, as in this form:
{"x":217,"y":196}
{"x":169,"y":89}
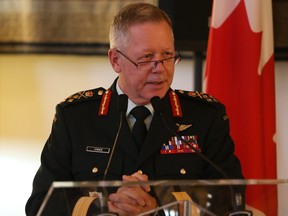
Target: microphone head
{"x":122,"y":103}
{"x":157,"y":104}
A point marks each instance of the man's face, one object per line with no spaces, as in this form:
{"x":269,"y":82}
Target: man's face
{"x":150,"y":41}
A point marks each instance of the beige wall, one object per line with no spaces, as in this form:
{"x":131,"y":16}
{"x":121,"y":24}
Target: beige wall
{"x":31,"y":86}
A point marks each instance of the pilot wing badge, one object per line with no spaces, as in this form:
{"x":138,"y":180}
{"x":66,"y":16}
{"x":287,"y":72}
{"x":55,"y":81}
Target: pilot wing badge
{"x":182,"y":127}
{"x":177,"y":145}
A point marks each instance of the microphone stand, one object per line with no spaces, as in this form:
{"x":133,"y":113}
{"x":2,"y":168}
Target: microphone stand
{"x":122,"y":105}
{"x":122,"y":108}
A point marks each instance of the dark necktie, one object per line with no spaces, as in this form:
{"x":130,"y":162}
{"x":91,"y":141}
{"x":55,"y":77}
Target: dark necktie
{"x":139,"y":130}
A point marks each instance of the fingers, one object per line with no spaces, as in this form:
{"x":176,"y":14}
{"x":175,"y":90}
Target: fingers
{"x":123,"y":206}
{"x":123,"y":196}
{"x":132,"y":199}
{"x":135,"y":177}
{"x":132,"y":195}
{"x":113,"y":208}
{"x":138,"y":177}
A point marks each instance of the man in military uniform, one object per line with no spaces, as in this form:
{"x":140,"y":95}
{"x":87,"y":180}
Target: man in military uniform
{"x":91,"y":137}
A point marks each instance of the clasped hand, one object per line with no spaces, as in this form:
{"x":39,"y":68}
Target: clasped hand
{"x":133,"y":199}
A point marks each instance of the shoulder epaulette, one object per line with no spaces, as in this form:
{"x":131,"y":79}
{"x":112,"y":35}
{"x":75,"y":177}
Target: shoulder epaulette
{"x":198,"y":95}
{"x":81,"y":96}
{"x":204,"y":98}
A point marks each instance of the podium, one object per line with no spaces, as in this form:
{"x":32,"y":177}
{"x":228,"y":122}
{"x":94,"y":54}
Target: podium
{"x":174,"y":197}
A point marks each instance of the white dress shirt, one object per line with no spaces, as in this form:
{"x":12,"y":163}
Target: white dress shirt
{"x":130,"y":118}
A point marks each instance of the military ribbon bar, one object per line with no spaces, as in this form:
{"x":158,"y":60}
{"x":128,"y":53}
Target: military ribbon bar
{"x":176,"y":145}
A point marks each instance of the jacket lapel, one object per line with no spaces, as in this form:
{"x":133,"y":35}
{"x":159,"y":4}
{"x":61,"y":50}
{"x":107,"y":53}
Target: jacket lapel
{"x":126,"y":141}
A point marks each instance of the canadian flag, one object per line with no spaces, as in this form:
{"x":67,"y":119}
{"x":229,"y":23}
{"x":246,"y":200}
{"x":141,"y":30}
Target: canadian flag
{"x":240,"y":73}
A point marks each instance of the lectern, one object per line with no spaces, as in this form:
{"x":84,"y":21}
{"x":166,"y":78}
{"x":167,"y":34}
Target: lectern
{"x":174,"y":197}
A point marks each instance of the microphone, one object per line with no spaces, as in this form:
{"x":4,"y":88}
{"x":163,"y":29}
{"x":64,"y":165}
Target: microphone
{"x":160,"y":109}
{"x":122,"y":107}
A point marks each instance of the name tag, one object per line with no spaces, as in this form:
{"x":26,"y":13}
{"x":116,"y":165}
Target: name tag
{"x":97,"y":149}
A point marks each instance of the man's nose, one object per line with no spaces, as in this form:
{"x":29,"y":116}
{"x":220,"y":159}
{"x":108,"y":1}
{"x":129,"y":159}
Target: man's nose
{"x":157,"y":62}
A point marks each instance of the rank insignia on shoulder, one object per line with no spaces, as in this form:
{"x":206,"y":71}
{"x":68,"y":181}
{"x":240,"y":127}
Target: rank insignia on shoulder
{"x":83,"y":96}
{"x":79,"y":95}
{"x":176,"y":145}
{"x":198,"y":95}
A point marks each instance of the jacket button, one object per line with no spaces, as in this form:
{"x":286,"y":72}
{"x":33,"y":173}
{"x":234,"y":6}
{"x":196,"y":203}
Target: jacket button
{"x":95,"y":170}
{"x":183,"y":171}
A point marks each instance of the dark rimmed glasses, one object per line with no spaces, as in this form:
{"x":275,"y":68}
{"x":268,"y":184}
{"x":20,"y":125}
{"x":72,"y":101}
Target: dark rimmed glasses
{"x":149,"y":65}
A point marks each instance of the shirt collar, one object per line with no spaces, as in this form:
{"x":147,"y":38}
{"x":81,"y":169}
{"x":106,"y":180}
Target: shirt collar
{"x":131,"y":104}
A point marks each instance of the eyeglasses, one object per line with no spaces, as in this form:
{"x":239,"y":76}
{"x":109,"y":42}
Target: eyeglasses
{"x":149,"y":65}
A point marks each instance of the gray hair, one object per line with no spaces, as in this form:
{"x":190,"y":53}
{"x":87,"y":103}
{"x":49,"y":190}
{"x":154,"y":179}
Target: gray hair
{"x":131,"y":14}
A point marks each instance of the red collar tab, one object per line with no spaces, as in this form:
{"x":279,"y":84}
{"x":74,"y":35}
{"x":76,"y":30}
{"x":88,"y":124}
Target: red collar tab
{"x":105,"y":102}
{"x":175,"y":104}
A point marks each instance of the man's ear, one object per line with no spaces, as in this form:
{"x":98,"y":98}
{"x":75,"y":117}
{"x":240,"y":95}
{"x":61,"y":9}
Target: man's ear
{"x":114,"y":60}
